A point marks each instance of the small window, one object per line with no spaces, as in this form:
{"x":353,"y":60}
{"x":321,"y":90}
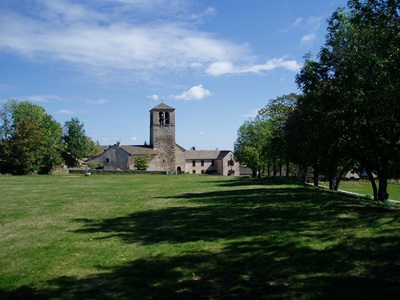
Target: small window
{"x":161,"y":118}
{"x":212,"y":163}
{"x":107,"y":160}
{"x":202,"y":171}
{"x":194,"y":171}
{"x":193,"y":163}
{"x":167,"y":118}
{"x":202,"y":163}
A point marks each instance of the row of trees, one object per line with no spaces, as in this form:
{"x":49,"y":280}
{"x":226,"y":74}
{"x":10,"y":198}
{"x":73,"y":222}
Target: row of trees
{"x":348,"y":113}
{"x":32,"y":141}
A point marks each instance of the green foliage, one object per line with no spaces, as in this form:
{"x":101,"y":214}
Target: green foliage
{"x":248,"y":147}
{"x":275,"y":115}
{"x":261,"y":142}
{"x":354,"y":89}
{"x":141,"y":163}
{"x":77,"y":145}
{"x":31,"y":139}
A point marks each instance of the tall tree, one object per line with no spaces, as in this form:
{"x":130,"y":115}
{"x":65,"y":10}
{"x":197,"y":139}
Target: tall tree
{"x":357,"y":79}
{"x":77,"y":145}
{"x":362,"y":53}
{"x":31,"y":139}
{"x":249,"y":147}
{"x":324,"y":120}
{"x":275,"y":114}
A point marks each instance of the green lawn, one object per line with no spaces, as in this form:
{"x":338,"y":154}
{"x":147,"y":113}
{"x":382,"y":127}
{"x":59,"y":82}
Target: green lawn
{"x":192,"y":237}
{"x":364,"y":187}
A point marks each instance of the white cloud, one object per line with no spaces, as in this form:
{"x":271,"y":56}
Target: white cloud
{"x":65,"y":112}
{"x":44,"y":98}
{"x":101,"y":43}
{"x":307,"y":39}
{"x":115,"y":43}
{"x":69,"y":112}
{"x":121,"y":42}
{"x":251,"y":113}
{"x":133,"y":139}
{"x":312,"y":23}
{"x":154,"y":97}
{"x":197,"y":92}
{"x":221,"y":68}
{"x":298,"y":22}
{"x":96,"y":102}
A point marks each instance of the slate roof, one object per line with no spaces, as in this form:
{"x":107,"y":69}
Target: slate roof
{"x":206,"y":154}
{"x":138,"y":150}
{"x":162,"y":106}
{"x":133,"y":149}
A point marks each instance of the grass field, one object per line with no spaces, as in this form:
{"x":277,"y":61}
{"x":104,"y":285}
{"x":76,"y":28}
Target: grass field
{"x":192,"y":237}
{"x":364,"y":187}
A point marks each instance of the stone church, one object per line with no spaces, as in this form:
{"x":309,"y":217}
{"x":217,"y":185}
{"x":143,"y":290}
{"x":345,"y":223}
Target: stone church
{"x":164,"y":154}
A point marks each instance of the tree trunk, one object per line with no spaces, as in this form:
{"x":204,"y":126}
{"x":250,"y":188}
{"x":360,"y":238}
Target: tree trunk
{"x":316,"y":175}
{"x":302,"y":175}
{"x":341,"y":174}
{"x":332,"y":177}
{"x":335,"y":176}
{"x":382,"y":189}
{"x":287,"y":169}
{"x":373,"y":183}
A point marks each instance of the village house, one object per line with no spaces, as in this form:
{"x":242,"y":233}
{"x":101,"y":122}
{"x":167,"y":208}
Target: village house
{"x":164,"y":154}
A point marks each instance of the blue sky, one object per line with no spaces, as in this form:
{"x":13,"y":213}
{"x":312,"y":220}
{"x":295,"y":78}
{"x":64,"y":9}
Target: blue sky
{"x":108,"y":62}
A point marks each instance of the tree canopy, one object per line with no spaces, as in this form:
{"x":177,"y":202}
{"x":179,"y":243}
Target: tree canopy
{"x":77,"y":145}
{"x":31,"y":141}
{"x":260,"y":143}
{"x":356,"y":81}
{"x":348,"y":115}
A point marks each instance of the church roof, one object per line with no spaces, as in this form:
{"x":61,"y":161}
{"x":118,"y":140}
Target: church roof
{"x":163,"y":106}
{"x":206,"y":154}
{"x":138,"y":150}
{"x":132,"y":149}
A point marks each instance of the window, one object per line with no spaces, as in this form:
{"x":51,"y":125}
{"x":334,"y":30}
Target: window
{"x":194,"y":171}
{"x":161,"y":118}
{"x":212,"y":163}
{"x":202,"y":163}
{"x":107,"y":160}
{"x":193,"y":163}
{"x":202,"y":171}
{"x":231,"y":162}
{"x":167,"y":118}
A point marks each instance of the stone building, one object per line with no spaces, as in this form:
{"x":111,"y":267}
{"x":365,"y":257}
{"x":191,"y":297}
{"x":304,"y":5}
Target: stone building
{"x":164,"y":154}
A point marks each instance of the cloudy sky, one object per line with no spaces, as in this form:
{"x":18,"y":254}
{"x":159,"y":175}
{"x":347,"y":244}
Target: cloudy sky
{"x":108,"y":62}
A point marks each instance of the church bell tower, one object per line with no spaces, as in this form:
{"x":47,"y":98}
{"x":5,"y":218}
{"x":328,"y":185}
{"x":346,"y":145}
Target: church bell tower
{"x":162,"y":136}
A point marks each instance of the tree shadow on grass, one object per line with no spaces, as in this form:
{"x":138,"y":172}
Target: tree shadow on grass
{"x":215,"y":215}
{"x":240,"y":213}
{"x":275,"y":243}
{"x":242,"y":270}
{"x":249,"y":181}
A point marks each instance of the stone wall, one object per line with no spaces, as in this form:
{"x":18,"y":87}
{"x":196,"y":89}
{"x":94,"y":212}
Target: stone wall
{"x":109,"y":172}
{"x":164,"y":143}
